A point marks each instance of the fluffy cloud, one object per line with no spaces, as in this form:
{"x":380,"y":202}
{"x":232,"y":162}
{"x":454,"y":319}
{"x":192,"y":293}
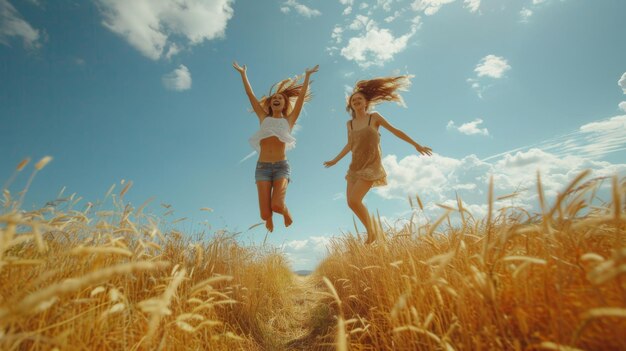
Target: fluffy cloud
{"x":393,"y":17}
{"x":469,"y":128}
{"x":492,"y":66}
{"x":384,"y":4}
{"x":305,"y":254}
{"x":299,"y":8}
{"x":438,"y":179}
{"x":375,"y":46}
{"x":489,"y":68}
{"x":591,"y":141}
{"x":622,"y":106}
{"x":472,"y":5}
{"x":13,"y":25}
{"x":178,"y":80}
{"x":429,"y":7}
{"x":337,"y":34}
{"x":151,"y":26}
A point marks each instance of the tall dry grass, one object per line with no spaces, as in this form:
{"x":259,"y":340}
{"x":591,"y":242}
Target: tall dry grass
{"x":119,"y":279}
{"x":512,"y":281}
{"x":112,"y":277}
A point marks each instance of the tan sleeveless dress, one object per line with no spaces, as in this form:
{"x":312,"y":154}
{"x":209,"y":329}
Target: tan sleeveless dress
{"x":366,"y":156}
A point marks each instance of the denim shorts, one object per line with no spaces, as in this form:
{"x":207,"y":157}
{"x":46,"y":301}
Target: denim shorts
{"x":271,"y":171}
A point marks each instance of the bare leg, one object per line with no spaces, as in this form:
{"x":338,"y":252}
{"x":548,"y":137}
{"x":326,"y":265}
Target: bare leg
{"x":265,"y":195}
{"x":355,"y":193}
{"x":278,"y":200}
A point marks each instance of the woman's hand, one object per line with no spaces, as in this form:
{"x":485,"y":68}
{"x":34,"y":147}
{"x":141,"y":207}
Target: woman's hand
{"x":312,"y":70}
{"x":329,"y":163}
{"x":424,"y":150}
{"x":239,"y":68}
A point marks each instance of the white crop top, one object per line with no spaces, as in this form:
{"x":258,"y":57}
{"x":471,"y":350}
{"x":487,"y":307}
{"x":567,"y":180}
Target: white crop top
{"x":271,"y":126}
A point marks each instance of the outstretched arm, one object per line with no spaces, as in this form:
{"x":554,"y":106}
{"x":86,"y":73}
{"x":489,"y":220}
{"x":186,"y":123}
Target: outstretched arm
{"x":293,"y":116}
{"x":381,"y":121}
{"x":256,"y":106}
{"x":342,"y":153}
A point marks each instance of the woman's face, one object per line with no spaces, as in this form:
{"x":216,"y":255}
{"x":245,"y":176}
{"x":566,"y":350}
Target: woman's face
{"x":277,"y":102}
{"x":358,"y":102}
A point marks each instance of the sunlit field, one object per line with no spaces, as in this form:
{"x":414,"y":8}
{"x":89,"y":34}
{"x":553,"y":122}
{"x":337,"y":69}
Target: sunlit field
{"x":109,"y":276}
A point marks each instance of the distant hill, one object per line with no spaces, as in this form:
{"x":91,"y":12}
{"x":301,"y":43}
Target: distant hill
{"x":303,"y":272}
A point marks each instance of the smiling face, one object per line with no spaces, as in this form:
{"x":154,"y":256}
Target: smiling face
{"x":358,"y":102}
{"x":278,"y":103}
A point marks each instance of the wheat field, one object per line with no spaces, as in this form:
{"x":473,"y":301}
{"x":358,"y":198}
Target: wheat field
{"x":117,"y":278}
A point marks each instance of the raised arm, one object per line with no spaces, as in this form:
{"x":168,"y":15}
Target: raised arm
{"x":293,"y":116}
{"x":381,"y":121}
{"x":256,"y":106}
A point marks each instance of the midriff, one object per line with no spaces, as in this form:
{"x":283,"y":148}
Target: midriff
{"x":272,"y":150}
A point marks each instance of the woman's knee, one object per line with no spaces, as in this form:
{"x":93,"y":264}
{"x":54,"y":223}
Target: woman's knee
{"x":354,"y":203}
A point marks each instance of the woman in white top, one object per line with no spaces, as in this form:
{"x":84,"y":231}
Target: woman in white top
{"x":277,"y":119}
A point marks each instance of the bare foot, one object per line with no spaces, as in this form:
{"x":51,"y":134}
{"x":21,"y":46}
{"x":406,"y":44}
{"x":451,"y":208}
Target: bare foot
{"x":269,"y":224}
{"x":287,"y":216}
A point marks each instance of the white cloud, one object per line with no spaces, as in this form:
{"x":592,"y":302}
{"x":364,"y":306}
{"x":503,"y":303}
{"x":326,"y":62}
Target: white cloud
{"x":337,"y":34}
{"x":393,"y":17}
{"x":152,"y":26}
{"x":305,"y":254}
{"x":361,"y":22}
{"x":470,"y":128}
{"x":492,"y":66}
{"x":300,"y":9}
{"x":384,"y":4}
{"x":525,"y":14}
{"x":622,"y":82}
{"x":178,"y":80}
{"x":13,"y":25}
{"x":622,"y":106}
{"x":472,"y":5}
{"x":347,"y":2}
{"x":489,"y":68}
{"x":172,"y":50}
{"x":591,"y":141}
{"x":437,"y":179}
{"x":375,"y":46}
{"x":429,"y":7}
{"x":347,"y":10}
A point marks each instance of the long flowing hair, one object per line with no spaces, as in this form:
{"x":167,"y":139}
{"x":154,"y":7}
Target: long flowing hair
{"x":290,"y":89}
{"x":379,"y":90}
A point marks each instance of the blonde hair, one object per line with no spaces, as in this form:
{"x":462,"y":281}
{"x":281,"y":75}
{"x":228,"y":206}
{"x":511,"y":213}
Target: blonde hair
{"x":290,"y":89}
{"x":380,"y":89}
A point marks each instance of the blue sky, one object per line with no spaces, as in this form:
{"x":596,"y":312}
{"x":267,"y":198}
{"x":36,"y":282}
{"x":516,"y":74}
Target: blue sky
{"x":144,"y":91}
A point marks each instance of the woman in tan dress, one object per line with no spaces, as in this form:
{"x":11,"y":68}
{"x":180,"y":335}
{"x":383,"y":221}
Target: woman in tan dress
{"x":366,"y":169}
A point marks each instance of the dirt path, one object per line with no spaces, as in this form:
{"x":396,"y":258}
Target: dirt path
{"x":294,"y":326}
